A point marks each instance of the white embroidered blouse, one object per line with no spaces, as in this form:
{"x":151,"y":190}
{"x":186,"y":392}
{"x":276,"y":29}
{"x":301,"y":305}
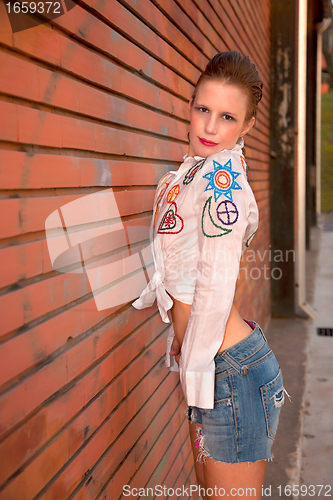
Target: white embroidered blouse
{"x":207,"y":216}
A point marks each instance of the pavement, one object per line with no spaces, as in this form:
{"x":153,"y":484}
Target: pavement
{"x":303,"y":449}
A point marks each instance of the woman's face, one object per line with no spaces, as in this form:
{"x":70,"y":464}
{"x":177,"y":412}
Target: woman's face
{"x":217,"y":117}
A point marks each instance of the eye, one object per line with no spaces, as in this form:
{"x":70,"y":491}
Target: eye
{"x":228,"y":118}
{"x":202,"y":109}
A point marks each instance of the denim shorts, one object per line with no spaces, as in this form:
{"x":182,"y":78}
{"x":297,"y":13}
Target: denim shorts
{"x":248,"y":396}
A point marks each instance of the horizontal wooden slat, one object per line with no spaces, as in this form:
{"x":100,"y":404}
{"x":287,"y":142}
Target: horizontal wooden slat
{"x":138,"y":454}
{"x":42,"y":42}
{"x":94,"y":417}
{"x":150,"y":14}
{"x":239,"y":29}
{"x":30,"y":214}
{"x":81,"y":62}
{"x":219,"y":38}
{"x":162,"y":454}
{"x":66,"y":93}
{"x":23,"y":261}
{"x":256,"y":165}
{"x":236,"y":24}
{"x":181,"y":469}
{"x":260,"y":185}
{"x":254,"y":31}
{"x":40,"y":341}
{"x":131,"y":442}
{"x":258,"y":175}
{"x":6,"y":33}
{"x":60,"y":371}
{"x":94,"y":99}
{"x":114,"y":487}
{"x":54,"y":130}
{"x":182,"y":21}
{"x":122,"y":49}
{"x":257,"y":139}
{"x":38,"y":299}
{"x":260,"y":156}
{"x":50,"y":418}
{"x":20,"y":170}
{"x":19,"y":262}
{"x":102,"y":36}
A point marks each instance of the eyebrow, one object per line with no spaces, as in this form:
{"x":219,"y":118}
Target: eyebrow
{"x":223,"y":112}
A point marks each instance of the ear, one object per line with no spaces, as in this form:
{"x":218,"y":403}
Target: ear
{"x":248,"y":126}
{"x":190,"y":103}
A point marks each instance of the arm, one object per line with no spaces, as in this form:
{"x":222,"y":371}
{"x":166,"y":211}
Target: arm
{"x":223,"y":223}
{"x":180,"y":313}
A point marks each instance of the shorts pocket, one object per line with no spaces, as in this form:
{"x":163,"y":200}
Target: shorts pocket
{"x":272,"y":395}
{"x":222,"y":391}
{"x":227,"y":401}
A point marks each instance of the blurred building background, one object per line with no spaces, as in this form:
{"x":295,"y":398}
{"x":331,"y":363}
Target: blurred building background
{"x":98,"y":98}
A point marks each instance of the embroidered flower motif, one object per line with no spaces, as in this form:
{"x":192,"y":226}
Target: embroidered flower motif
{"x":173,"y":193}
{"x":171,"y":222}
{"x":192,"y":171}
{"x":208,"y":226}
{"x":227,"y":212}
{"x":222,"y":180}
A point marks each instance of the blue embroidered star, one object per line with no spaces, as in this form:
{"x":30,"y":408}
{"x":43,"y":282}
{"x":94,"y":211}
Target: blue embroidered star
{"x":222,"y":180}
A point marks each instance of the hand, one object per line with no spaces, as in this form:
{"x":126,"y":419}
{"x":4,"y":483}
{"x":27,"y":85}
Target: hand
{"x":175,"y":350}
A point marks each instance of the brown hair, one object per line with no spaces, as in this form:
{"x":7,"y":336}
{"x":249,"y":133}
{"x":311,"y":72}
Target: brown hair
{"x":235,"y":68}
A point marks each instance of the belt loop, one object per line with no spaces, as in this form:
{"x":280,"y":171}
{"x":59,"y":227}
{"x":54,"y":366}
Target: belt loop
{"x":260,"y":330}
{"x":244,"y":370}
{"x":262,"y":333}
{"x":241,"y":369}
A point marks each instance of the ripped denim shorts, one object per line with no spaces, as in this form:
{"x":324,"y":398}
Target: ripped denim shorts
{"x":248,"y":397}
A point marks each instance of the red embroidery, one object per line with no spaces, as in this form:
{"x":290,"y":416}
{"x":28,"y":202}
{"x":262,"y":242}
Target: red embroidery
{"x":171,"y":222}
{"x":242,"y":159}
{"x":223,"y":179}
{"x":245,"y":168}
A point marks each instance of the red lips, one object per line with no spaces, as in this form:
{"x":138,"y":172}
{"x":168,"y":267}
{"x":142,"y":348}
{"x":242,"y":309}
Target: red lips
{"x":207,"y":143}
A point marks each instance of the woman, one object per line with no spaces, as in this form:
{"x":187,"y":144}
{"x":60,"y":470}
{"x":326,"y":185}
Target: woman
{"x":205,"y":216}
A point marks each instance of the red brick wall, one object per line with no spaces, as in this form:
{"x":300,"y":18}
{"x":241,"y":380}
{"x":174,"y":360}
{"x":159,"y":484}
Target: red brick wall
{"x":99,"y":98}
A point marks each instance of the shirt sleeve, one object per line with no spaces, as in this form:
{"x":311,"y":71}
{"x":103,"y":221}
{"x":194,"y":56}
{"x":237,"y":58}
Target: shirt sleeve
{"x":226,"y":214}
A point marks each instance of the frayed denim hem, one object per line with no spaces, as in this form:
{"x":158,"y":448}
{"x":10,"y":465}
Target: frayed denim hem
{"x":203,"y":455}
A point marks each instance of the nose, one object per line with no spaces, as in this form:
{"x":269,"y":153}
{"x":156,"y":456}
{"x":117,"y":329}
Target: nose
{"x":210,"y":125}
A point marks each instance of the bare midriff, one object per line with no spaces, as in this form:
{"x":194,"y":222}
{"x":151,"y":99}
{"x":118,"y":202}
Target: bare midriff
{"x":235,"y":331}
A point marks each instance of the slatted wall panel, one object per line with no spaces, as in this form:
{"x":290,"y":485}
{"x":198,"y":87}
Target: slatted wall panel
{"x":99,"y":98}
